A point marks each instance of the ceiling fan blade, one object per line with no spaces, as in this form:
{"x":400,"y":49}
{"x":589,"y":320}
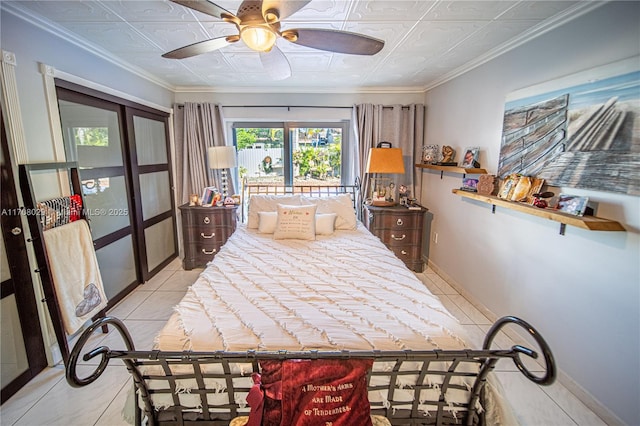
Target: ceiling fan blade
{"x":206,"y":7}
{"x":335,"y":41}
{"x":284,"y":8}
{"x":276,"y":64}
{"x":198,"y":48}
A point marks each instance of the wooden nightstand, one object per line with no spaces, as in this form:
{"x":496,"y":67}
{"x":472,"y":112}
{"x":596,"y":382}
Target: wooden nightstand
{"x":204,"y":231}
{"x":400,"y":229}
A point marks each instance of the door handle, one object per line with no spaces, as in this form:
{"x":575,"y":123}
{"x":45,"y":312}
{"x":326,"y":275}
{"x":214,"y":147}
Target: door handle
{"x":16,"y":231}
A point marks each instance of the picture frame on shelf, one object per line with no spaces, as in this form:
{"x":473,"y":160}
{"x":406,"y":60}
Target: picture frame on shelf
{"x":572,"y":204}
{"x":469,"y":185}
{"x":470,"y":158}
{"x":508,"y":185}
{"x":209,"y":195}
{"x":430,"y":154}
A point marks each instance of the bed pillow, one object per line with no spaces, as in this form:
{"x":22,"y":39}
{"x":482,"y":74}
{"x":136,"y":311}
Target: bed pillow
{"x":267,"y":222}
{"x":341,"y":205}
{"x":325,"y":223}
{"x":295,"y":222}
{"x":268,"y":203}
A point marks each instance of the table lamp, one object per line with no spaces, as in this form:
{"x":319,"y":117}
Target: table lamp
{"x":384,"y":161}
{"x":222,"y":158}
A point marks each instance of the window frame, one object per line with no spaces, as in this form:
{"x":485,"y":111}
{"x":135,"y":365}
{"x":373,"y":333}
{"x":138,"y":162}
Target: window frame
{"x":287,"y":127}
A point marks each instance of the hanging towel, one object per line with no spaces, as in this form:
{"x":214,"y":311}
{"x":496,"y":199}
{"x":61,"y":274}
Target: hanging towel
{"x":75,"y":273}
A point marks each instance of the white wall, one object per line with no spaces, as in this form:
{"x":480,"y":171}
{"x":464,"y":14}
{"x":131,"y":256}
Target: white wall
{"x":300,"y":99}
{"x":581,"y":290}
{"x":32,"y":46}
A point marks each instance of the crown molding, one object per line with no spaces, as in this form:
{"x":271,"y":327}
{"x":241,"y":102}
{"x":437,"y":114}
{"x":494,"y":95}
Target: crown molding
{"x":536,"y":31}
{"x":562,"y":18}
{"x":295,"y":90}
{"x":58,"y":31}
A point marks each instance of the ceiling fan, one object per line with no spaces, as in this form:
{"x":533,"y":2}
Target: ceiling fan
{"x":258,"y":23}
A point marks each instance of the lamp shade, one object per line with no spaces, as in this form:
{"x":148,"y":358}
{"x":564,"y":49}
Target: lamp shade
{"x":385,"y":160}
{"x":222,"y":157}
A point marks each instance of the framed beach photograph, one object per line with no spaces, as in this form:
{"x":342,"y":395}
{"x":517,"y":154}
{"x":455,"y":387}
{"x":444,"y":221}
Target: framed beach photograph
{"x":470,"y":157}
{"x":572,"y":204}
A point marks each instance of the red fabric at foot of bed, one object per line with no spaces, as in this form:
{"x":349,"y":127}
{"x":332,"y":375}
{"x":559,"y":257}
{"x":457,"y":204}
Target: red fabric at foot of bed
{"x":314,"y":392}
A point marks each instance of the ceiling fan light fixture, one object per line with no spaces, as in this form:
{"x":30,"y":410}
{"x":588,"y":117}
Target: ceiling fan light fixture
{"x":290,"y":35}
{"x":258,"y":37}
{"x":271,"y":16}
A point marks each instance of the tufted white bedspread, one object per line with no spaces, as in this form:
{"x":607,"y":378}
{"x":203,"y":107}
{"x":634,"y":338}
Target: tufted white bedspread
{"x":344,"y":291}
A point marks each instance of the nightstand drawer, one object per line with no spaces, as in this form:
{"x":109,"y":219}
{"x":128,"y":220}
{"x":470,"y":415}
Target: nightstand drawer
{"x":204,"y":232}
{"x":202,"y":253}
{"x":203,"y":218}
{"x":396,"y":221}
{"x":400,"y":229}
{"x":407,"y":254}
{"x":399,"y":237}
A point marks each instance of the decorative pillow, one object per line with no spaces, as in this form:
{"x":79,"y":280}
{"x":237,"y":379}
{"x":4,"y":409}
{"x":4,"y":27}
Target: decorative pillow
{"x":295,"y":222}
{"x":325,"y":223}
{"x":267,"y":222}
{"x":341,"y":205}
{"x":268,"y":203}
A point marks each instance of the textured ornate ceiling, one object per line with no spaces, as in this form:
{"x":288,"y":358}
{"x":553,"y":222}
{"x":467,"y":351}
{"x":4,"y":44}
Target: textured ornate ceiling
{"x":426,"y":42}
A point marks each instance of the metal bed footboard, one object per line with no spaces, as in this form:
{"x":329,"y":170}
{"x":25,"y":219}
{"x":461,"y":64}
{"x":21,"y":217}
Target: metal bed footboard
{"x":208,"y":388}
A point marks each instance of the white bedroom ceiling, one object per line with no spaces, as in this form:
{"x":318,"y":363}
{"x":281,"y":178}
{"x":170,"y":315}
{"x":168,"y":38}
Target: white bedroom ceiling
{"x":426,"y":42}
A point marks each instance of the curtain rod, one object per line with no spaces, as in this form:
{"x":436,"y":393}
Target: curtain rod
{"x":291,"y":106}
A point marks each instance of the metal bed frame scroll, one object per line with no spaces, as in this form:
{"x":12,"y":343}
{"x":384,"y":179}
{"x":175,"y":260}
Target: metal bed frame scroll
{"x":233,"y":367}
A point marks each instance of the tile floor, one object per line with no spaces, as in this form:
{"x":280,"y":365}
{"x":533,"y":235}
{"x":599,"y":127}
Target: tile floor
{"x":49,"y":400}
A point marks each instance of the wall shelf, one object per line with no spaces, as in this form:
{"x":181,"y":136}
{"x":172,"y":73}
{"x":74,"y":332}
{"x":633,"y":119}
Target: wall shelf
{"x":590,"y":223}
{"x":452,"y":169}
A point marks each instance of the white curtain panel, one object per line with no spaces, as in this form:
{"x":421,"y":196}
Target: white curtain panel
{"x":198,"y":126}
{"x":403,"y":126}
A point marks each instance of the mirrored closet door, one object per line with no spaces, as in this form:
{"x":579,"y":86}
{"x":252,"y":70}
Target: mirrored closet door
{"x":124,"y":161}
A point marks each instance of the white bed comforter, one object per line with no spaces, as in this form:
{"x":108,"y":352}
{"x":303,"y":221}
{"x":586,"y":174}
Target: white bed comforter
{"x":344,"y":291}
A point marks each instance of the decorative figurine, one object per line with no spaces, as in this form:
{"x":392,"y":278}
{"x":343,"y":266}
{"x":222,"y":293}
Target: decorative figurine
{"x":487,"y":185}
{"x":539,"y":199}
{"x":403,"y":194}
{"x":447,"y":154}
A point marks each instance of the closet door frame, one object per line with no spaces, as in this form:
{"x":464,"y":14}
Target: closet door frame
{"x":136,"y":171}
{"x":20,"y":284}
